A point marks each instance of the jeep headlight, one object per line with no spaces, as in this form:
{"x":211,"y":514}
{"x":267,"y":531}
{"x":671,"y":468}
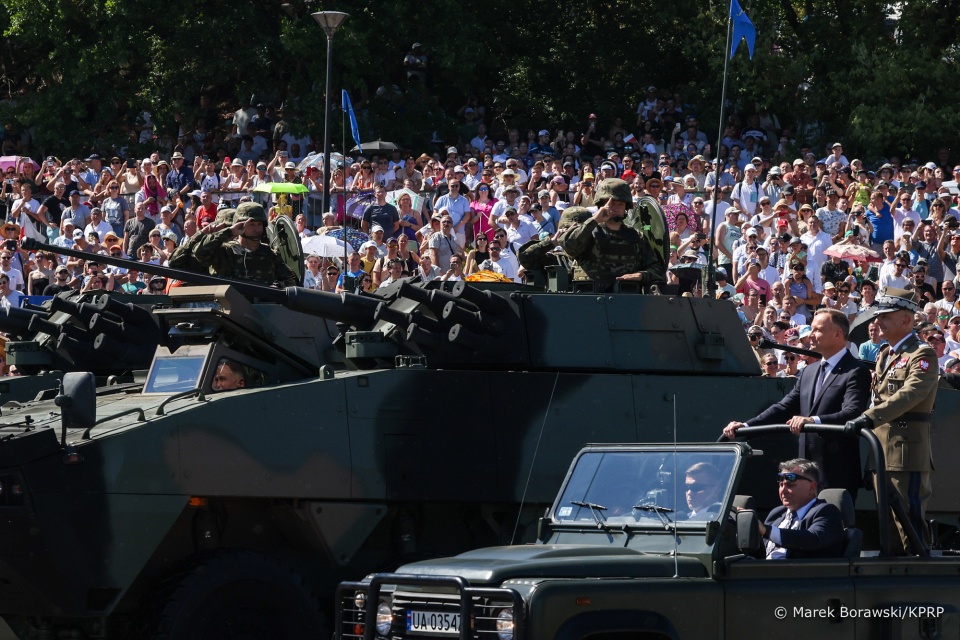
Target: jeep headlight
{"x":385,"y":618}
{"x":505,"y":624}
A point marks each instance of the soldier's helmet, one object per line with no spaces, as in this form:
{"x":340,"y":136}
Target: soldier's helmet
{"x":225,"y":216}
{"x":572,"y":215}
{"x":614,"y":189}
{"x":250,"y":211}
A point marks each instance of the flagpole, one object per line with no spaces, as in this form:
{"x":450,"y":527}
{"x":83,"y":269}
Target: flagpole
{"x":343,"y":145}
{"x":711,"y":261}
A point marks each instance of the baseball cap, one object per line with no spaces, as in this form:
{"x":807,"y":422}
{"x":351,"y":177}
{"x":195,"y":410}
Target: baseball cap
{"x":77,"y":234}
{"x":543,"y":132}
{"x":375,"y":228}
{"x":289,"y":165}
{"x":543,"y":193}
{"x":452,"y":150}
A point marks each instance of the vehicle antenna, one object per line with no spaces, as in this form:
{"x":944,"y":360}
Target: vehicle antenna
{"x":676,"y":565}
{"x":526,"y":485}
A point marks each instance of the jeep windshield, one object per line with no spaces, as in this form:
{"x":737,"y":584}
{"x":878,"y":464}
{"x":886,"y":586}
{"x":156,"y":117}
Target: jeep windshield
{"x":655,"y":488}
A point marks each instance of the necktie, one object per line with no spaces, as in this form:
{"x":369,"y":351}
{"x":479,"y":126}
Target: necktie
{"x":821,"y":375}
{"x":789,"y":522}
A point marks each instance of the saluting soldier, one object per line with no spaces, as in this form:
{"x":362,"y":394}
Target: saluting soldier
{"x":904,"y":390}
{"x":536,"y":255}
{"x":237,"y":252}
{"x":607,"y":250}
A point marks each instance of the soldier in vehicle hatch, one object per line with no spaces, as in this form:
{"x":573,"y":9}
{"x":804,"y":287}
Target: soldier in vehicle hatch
{"x":232,"y":375}
{"x":607,"y":250}
{"x":237,"y":252}
{"x":537,"y":255}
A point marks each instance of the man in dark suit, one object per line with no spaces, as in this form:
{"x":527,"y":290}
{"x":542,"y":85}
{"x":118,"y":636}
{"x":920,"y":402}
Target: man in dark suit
{"x":805,"y":526}
{"x":832,"y":391}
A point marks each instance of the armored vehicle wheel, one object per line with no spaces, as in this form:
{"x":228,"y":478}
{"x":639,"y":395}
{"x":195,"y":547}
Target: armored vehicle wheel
{"x":236,"y":596}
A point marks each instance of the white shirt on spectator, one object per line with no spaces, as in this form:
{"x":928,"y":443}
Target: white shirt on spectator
{"x":16,"y":279}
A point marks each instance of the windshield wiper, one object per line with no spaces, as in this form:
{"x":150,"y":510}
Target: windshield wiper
{"x":660,"y":511}
{"x":594,"y":509}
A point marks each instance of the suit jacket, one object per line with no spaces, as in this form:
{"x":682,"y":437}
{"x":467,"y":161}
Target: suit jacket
{"x":819,"y":535}
{"x":844,"y":396}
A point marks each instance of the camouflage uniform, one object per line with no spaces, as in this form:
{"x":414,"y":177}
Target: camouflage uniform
{"x":603,"y":254}
{"x":226,"y":257}
{"x":536,"y":255}
{"x":183,"y":258}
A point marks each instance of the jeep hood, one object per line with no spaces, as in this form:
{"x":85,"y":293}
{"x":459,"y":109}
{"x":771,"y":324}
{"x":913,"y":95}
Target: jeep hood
{"x":496,"y":564}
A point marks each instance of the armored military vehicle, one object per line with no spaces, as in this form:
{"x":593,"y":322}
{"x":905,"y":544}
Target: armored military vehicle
{"x":372,"y":430}
{"x":621,"y":554}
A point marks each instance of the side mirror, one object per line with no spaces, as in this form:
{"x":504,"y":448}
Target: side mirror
{"x":748,"y":532}
{"x":77,"y":401}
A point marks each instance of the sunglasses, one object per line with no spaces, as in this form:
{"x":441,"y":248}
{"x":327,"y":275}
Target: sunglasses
{"x":790,"y":478}
{"x":698,"y":487}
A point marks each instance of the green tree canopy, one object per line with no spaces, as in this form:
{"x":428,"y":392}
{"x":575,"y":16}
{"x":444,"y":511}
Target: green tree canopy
{"x":79,"y":74}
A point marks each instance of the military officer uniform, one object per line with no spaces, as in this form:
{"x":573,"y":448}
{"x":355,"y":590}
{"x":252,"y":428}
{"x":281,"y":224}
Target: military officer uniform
{"x":904,"y":391}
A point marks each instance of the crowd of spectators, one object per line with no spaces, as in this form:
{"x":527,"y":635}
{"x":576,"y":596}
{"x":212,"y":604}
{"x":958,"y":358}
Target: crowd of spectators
{"x":469,"y":205}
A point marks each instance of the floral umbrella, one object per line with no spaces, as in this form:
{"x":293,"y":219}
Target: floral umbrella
{"x":670,"y":211}
{"x":354,"y":236}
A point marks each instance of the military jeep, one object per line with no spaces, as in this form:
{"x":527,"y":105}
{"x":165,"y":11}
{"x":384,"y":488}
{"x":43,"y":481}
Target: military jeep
{"x":620,"y":555}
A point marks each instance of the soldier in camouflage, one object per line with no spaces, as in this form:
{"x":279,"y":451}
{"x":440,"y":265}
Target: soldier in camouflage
{"x":183,"y":258}
{"x":536,"y":255}
{"x":607,"y":250}
{"x":236,"y":252}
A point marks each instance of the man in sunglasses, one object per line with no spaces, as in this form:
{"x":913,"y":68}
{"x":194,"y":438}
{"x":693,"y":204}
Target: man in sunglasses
{"x":832,"y":391}
{"x":805,"y":526}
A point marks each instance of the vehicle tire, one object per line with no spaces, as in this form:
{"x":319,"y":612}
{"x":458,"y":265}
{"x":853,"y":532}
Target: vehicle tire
{"x":235,"y":595}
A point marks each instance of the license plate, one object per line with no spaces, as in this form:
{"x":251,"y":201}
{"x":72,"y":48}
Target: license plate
{"x":433,"y":622}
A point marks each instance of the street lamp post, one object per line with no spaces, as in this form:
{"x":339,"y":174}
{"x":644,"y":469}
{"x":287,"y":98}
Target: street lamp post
{"x":329,"y":21}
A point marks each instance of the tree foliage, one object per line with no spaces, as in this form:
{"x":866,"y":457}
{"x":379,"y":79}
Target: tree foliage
{"x":79,"y":74}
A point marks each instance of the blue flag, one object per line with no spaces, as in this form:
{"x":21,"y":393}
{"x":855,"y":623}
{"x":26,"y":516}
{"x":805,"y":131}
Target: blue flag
{"x":743,"y":29}
{"x":354,"y":129}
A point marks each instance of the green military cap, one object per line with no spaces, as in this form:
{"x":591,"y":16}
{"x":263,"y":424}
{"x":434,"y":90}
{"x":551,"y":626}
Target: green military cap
{"x":573,"y":215}
{"x":225,"y":216}
{"x":250,"y":211}
{"x":614,"y":189}
{"x":892,"y":299}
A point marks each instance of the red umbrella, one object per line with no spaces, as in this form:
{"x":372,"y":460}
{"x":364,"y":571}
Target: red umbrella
{"x":852,"y":252}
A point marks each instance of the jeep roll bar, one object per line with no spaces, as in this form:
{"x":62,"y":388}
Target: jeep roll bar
{"x":882,"y":485}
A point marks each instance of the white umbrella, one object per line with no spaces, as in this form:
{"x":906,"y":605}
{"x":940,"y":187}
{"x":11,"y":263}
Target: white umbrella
{"x":324,"y":246}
